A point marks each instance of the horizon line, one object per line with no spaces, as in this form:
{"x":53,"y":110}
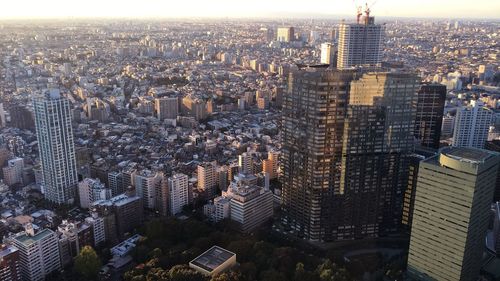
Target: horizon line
{"x":293,"y":16}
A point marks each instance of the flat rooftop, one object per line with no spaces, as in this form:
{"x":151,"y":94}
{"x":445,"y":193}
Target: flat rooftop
{"x":27,"y":240}
{"x":7,"y":251}
{"x":212,"y":258}
{"x":467,"y":154}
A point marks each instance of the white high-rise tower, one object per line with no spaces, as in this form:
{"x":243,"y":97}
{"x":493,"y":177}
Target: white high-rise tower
{"x":178,"y":193}
{"x":360,"y":43}
{"x":328,"y":53}
{"x":56,"y":147}
{"x":471,"y":125}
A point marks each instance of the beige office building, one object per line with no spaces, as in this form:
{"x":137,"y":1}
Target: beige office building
{"x":450,"y":219}
{"x":207,"y":178}
{"x":285,"y":34}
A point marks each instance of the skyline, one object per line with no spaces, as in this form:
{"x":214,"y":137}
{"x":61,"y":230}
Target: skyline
{"x":246,"y":9}
{"x":249,"y":140}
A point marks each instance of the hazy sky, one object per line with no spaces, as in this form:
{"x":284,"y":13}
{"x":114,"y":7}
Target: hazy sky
{"x":244,"y":8}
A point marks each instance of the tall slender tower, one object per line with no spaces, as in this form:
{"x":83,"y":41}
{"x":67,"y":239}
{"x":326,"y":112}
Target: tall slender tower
{"x":360,"y":43}
{"x":451,"y":215}
{"x":56,"y":147}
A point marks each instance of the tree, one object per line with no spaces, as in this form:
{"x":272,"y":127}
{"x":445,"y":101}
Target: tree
{"x":329,"y":271}
{"x":227,"y":276}
{"x":272,"y":275}
{"x":184,"y":273}
{"x":242,"y":248}
{"x":248,"y":270}
{"x":87,"y":263}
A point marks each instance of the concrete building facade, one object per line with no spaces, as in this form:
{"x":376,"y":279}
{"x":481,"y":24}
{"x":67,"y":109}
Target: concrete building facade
{"x":56,"y":147}
{"x":451,"y":214}
{"x":472,"y":124}
{"x":360,"y":44}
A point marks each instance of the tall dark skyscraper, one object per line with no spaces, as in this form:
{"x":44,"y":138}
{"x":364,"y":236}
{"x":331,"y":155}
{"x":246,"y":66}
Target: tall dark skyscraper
{"x":430,"y":107}
{"x":494,"y":145}
{"x":313,"y":124}
{"x":378,"y":141}
{"x":346,"y":148}
{"x":421,"y":153}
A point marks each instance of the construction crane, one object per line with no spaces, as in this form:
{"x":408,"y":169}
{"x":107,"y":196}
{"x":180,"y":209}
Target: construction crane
{"x":359,"y":14}
{"x":359,"y":10}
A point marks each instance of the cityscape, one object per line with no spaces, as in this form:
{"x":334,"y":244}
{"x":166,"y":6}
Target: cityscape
{"x":235,"y":142}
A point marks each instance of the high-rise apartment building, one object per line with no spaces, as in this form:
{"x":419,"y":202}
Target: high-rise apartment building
{"x":3,"y":120}
{"x":178,"y":193}
{"x":451,"y":215}
{"x":147,"y":183}
{"x":128,"y":176}
{"x":223,"y":176}
{"x":222,"y":208}
{"x":448,"y":125}
{"x":167,"y":108}
{"x":21,"y":117}
{"x":56,"y":147}
{"x":271,"y":164}
{"x":9,"y":263}
{"x":115,"y":181}
{"x":97,"y":109}
{"x":162,"y":198}
{"x":73,"y":237}
{"x":285,"y":34}
{"x":313,"y":126}
{"x":194,"y":107}
{"x":245,"y":163}
{"x":98,"y":228}
{"x":5,"y":155}
{"x":207,"y":178}
{"x":472,"y":124}
{"x":98,"y":170}
{"x":429,"y":119}
{"x":13,"y":173}
{"x":360,"y":43}
{"x":328,"y":54}
{"x":122,"y":214}
{"x":39,"y":253}
{"x":91,"y":190}
{"x":250,"y":206}
{"x":377,"y":143}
